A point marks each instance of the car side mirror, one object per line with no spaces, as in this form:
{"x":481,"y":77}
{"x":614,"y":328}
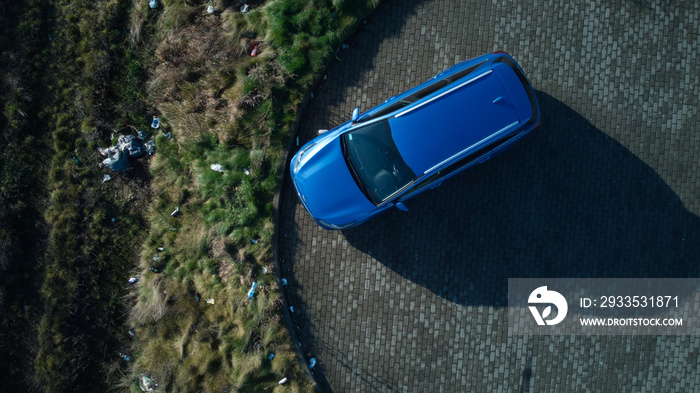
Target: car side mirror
{"x":355,"y":115}
{"x":401,"y":206}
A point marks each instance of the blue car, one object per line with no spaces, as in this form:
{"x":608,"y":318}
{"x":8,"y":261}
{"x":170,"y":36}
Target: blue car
{"x":414,"y":141}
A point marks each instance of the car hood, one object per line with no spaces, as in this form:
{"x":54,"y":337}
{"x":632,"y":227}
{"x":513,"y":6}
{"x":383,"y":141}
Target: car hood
{"x":325,"y":185}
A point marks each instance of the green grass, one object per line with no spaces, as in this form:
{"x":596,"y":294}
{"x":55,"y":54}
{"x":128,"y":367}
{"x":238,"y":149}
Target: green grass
{"x":93,"y":90}
{"x":211,"y":251}
{"x":109,"y":66}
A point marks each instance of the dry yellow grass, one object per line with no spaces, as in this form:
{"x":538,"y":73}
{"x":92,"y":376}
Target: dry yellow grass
{"x":151,"y":302}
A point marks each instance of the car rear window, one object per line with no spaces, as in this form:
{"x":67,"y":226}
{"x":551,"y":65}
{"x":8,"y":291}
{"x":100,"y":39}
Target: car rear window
{"x":526,"y":85}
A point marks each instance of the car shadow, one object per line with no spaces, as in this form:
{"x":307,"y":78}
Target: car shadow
{"x":566,"y":201}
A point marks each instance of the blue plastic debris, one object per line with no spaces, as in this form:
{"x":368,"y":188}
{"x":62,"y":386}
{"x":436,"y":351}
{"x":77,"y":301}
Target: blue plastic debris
{"x":251,"y":293}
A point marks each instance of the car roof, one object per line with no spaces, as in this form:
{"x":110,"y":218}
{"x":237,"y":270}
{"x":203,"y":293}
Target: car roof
{"x":463,"y":115}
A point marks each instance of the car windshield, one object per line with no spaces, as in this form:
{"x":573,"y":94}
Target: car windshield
{"x":375,"y":162}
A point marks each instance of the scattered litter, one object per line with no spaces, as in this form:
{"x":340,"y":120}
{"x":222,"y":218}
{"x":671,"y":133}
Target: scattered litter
{"x":131,"y":333}
{"x":291,"y":308}
{"x":217,"y":167}
{"x":131,"y":145}
{"x":255,"y":241}
{"x":211,"y":9}
{"x":251,"y":293}
{"x":106,"y":178}
{"x":272,"y":356}
{"x":197,"y":296}
{"x":255,"y":50}
{"x":126,"y":358}
{"x":244,"y":9}
{"x":312,"y":363}
{"x":133,"y":280}
{"x":150,"y":147}
{"x":116,"y":160}
{"x":265,"y":271}
{"x":147,"y":384}
{"x":160,"y":248}
{"x":153,"y":4}
{"x":155,"y":123}
{"x":155,"y":257}
{"x":142,"y":134}
{"x":174,"y":213}
{"x":210,"y":301}
{"x":246,"y":171}
{"x":154,"y":269}
{"x":173,"y":229}
{"x":283,"y":381}
{"x":77,"y":161}
{"x":284,"y":281}
{"x":118,"y":156}
{"x":167,"y":135}
{"x":113,"y":220}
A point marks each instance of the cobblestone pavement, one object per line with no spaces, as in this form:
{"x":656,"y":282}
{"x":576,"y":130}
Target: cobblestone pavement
{"x":607,"y":186}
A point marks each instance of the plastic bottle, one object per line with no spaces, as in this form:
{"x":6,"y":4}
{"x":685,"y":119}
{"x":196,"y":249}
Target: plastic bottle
{"x":251,"y":293}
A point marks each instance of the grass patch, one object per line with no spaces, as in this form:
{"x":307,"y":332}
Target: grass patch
{"x":75,"y":75}
{"x":229,"y":109}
